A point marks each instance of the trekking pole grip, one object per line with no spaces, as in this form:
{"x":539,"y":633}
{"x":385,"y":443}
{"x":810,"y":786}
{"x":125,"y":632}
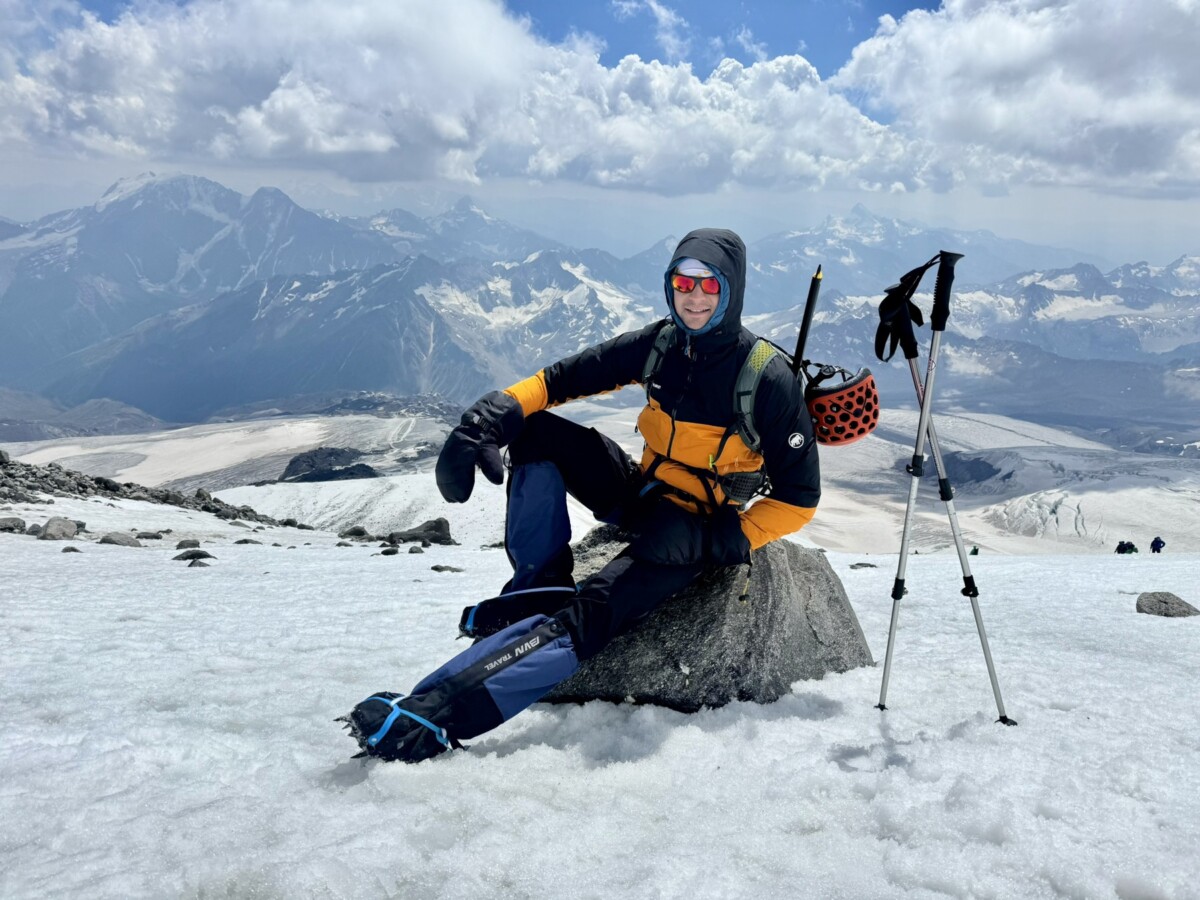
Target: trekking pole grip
{"x":941,"y":289}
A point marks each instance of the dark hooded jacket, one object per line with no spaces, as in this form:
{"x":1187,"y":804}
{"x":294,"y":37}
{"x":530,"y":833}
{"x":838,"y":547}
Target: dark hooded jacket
{"x":689,"y":410}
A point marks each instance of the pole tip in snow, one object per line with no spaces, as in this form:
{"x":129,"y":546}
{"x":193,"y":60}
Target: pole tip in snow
{"x":1005,"y":720}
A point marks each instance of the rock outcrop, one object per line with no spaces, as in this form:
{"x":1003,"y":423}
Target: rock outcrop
{"x":26,"y":483}
{"x":705,"y":647}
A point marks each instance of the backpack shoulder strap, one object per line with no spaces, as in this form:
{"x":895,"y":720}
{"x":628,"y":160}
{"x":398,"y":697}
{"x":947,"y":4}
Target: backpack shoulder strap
{"x":746,"y":390}
{"x":662,"y":342}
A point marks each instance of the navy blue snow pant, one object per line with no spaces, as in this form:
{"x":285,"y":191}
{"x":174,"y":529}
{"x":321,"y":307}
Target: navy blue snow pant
{"x":541,"y":626}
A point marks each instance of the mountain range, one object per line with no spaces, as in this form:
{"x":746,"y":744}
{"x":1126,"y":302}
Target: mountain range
{"x":181,"y":298}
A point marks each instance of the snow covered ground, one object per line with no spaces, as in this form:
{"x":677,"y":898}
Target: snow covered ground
{"x":167,"y":732}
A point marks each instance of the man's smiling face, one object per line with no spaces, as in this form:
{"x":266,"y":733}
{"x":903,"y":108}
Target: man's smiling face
{"x":694,"y":306}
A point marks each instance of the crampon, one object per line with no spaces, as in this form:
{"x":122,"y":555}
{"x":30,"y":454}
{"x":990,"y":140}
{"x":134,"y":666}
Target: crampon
{"x":385,"y":730}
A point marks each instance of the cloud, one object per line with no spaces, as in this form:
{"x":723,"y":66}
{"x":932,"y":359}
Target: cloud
{"x":745,"y":39}
{"x":671,"y":31}
{"x":393,"y":90}
{"x":1097,"y":94}
{"x":1103,"y":94}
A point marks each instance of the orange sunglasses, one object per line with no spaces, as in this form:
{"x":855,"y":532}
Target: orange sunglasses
{"x":685,"y":284}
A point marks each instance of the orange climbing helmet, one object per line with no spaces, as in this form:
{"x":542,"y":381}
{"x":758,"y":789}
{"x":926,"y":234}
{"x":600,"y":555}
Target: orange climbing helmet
{"x":845,"y":412}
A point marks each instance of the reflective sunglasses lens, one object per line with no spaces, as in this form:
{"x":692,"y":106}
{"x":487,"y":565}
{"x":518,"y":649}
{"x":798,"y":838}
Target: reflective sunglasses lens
{"x":710,"y":286}
{"x":685,"y":284}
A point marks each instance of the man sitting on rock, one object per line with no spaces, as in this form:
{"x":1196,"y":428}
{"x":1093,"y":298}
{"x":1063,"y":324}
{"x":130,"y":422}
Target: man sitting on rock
{"x":686,"y":502}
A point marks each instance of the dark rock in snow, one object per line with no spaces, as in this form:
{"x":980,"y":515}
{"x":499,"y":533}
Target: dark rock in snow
{"x":149,"y":536}
{"x":415,"y":548}
{"x":248,"y":541}
{"x":705,"y":648}
{"x":194,"y":554}
{"x":435,"y":531}
{"x":12,"y":525}
{"x":389,"y":551}
{"x":121,"y":539}
{"x":71,"y":548}
{"x":320,"y":459}
{"x":348,"y":473}
{"x":187,"y":544}
{"x":440,"y":568}
{"x":197,"y":564}
{"x":1164,"y":603}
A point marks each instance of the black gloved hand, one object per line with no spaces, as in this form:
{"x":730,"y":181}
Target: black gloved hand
{"x":492,"y":423}
{"x":728,"y":544}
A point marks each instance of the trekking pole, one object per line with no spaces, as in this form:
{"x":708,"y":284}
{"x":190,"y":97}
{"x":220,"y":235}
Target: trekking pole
{"x":810,"y":305}
{"x":938,"y":319}
{"x":937,"y":323}
{"x":897,"y":313}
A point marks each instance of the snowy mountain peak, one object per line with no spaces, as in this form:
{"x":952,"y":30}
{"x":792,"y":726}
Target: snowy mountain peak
{"x":174,"y":192}
{"x":1179,"y":277}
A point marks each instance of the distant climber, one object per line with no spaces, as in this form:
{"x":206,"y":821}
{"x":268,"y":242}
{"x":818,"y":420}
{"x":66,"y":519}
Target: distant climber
{"x":1126,"y":547}
{"x":1157,"y":544}
{"x":974,"y":551}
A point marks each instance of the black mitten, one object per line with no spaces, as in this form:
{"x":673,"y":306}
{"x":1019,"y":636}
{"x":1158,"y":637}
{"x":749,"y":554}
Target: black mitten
{"x":493,"y":422}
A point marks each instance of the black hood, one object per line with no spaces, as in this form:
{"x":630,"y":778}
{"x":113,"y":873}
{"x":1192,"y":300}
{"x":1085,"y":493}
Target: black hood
{"x":724,"y":251}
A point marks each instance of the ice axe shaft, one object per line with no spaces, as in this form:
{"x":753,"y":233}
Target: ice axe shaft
{"x":810,"y":305}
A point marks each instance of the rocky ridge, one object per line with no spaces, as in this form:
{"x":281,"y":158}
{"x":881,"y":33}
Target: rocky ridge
{"x":27,"y":483}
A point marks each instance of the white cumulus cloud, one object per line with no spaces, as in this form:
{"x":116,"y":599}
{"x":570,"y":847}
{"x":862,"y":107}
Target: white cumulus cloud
{"x":1098,"y":93}
{"x":405,"y":89}
{"x":1103,"y":94}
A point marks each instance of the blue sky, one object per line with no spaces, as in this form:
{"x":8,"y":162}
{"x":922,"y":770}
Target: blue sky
{"x":616,"y":122}
{"x":824,"y":31}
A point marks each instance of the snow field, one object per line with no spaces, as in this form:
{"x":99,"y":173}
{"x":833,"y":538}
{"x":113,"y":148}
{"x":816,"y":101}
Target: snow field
{"x":167,"y":732}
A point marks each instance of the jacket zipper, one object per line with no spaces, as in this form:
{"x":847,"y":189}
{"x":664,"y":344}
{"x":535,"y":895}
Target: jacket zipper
{"x":691,"y":355}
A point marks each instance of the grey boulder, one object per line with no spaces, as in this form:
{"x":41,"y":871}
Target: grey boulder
{"x":1164,"y":603}
{"x":435,"y":531}
{"x":58,"y":529}
{"x":120,"y":539}
{"x":705,"y":647}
